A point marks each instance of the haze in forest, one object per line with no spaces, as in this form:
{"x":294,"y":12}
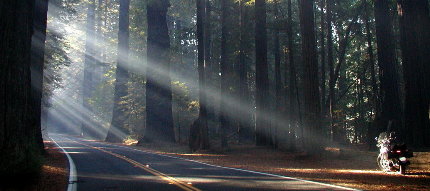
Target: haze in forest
{"x":295,"y":76}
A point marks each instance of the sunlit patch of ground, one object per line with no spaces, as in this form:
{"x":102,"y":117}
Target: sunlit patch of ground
{"x":201,"y":155}
{"x":130,"y":142}
{"x":344,"y":171}
{"x":54,"y":174}
{"x":345,"y":167}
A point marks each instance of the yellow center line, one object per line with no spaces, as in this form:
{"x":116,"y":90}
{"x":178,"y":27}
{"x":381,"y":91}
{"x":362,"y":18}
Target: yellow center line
{"x":159,"y":174}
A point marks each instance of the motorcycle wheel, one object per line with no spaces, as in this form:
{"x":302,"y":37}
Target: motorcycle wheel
{"x":383,"y":164}
{"x":403,"y":169}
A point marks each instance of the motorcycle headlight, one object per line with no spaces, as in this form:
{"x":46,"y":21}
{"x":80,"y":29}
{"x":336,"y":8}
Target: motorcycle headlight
{"x":403,"y":159}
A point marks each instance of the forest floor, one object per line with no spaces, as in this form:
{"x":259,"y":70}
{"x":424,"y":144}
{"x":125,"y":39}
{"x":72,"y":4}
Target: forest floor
{"x":349,"y":167}
{"x":55,"y":173}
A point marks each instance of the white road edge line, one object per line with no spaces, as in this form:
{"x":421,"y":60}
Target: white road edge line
{"x":72,"y":186}
{"x":239,"y":169}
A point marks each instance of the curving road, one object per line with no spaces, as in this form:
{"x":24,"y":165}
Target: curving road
{"x":102,"y":166}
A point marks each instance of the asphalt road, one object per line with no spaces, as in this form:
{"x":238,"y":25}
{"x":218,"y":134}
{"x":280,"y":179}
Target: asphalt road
{"x":106,"y":167}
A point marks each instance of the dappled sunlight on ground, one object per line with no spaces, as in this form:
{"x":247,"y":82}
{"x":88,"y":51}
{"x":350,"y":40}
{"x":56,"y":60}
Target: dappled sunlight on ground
{"x":345,"y":167}
{"x":346,"y":171}
{"x":130,"y":142}
{"x":54,"y":172}
{"x":197,"y":154}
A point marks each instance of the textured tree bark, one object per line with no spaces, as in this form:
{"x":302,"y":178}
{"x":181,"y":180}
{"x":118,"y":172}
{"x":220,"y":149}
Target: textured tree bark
{"x":292,"y":82}
{"x":117,"y":129}
{"x":323,"y":57}
{"x":199,"y":135}
{"x":312,"y":137}
{"x":100,"y":43}
{"x":209,"y":64}
{"x":37,"y":62}
{"x":88,"y":126}
{"x":261,"y":76}
{"x":278,"y":84}
{"x":245,"y":131}
{"x":18,"y":147}
{"x":226,"y":67}
{"x":415,"y":39}
{"x":390,"y":99}
{"x":330,"y":63}
{"x":159,"y":119}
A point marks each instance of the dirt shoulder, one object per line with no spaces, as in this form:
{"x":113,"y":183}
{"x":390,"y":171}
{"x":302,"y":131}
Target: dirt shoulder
{"x":348,"y":167}
{"x":55,"y":172}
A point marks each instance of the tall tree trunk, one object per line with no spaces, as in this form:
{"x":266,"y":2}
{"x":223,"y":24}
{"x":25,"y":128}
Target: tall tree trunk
{"x":244,"y":125}
{"x":99,"y":45}
{"x":199,"y":130}
{"x":226,"y":66}
{"x":209,"y":65}
{"x":391,"y":105}
{"x":323,"y":56}
{"x":204,"y":144}
{"x":37,"y":62}
{"x":159,"y":120}
{"x":415,"y":39}
{"x":361,"y":75}
{"x":88,"y":125}
{"x":330,"y":63}
{"x":261,"y":76}
{"x":292,"y":116}
{"x":278,"y":84}
{"x":100,"y":42}
{"x":312,"y":129}
{"x":18,"y":147}
{"x":117,"y":131}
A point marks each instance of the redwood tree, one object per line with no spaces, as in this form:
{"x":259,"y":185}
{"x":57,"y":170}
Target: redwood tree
{"x":37,"y":62}
{"x":226,"y":66}
{"x":261,"y":76}
{"x":117,"y":131}
{"x":312,"y":137}
{"x":199,"y":130}
{"x":159,"y":119}
{"x":330,"y":63}
{"x":18,"y":146}
{"x":388,"y":74}
{"x":278,"y":125}
{"x":292,"y":93}
{"x":88,"y":128}
{"x":415,"y":39}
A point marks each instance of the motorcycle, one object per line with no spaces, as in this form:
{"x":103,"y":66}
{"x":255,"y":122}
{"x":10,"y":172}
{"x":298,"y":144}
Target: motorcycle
{"x":392,"y":157}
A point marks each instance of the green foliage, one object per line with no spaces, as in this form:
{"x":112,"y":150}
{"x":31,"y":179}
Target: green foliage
{"x":102,"y":98}
{"x":56,"y":58}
